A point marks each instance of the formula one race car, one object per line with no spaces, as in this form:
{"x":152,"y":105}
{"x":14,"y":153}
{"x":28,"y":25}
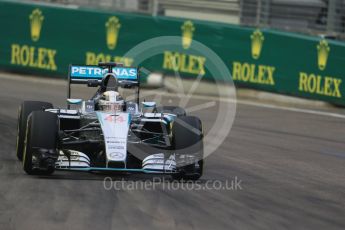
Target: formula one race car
{"x":109,"y":132}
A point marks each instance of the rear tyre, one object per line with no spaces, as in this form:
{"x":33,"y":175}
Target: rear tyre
{"x":178,"y":111}
{"x":189,"y":148}
{"x":40,"y":143}
{"x":24,"y":111}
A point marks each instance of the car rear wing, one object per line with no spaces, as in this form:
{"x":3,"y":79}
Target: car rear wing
{"x":91,"y":75}
{"x":82,"y":74}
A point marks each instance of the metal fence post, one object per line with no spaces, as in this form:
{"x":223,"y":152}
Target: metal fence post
{"x":154,"y":7}
{"x":258,"y":13}
{"x":263,"y":12}
{"x":331,"y":15}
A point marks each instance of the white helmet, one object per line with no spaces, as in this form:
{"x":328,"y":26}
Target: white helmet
{"x":111,"y":101}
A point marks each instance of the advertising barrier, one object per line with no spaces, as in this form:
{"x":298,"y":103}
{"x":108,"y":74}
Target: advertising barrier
{"x":45,"y":40}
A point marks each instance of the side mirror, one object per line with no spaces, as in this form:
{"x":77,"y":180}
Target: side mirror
{"x":74,"y":101}
{"x":150,"y":104}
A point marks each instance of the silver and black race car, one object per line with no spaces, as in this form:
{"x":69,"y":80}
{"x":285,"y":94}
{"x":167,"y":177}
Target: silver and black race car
{"x":109,"y":132}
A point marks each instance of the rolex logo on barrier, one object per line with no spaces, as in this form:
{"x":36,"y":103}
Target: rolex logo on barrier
{"x":112,"y":31}
{"x":29,"y":55}
{"x":187,"y":34}
{"x":257,"y":42}
{"x":323,"y":50}
{"x":36,"y":20}
{"x":317,"y":83}
{"x":254,"y":73}
{"x":185,"y":62}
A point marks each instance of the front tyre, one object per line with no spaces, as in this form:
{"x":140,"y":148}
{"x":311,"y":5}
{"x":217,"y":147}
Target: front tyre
{"x":40,"y":146}
{"x":25,"y":109}
{"x":189,"y":148}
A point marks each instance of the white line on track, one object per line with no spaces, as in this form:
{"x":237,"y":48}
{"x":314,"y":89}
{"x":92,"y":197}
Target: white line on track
{"x":15,"y":77}
{"x":264,"y":105}
{"x":291,"y":109}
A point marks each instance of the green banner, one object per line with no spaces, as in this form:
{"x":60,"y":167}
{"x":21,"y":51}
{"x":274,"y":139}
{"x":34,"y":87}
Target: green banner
{"x":45,"y":40}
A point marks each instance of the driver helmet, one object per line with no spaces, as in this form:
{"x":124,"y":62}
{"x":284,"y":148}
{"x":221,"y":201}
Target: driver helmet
{"x":111,"y":101}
